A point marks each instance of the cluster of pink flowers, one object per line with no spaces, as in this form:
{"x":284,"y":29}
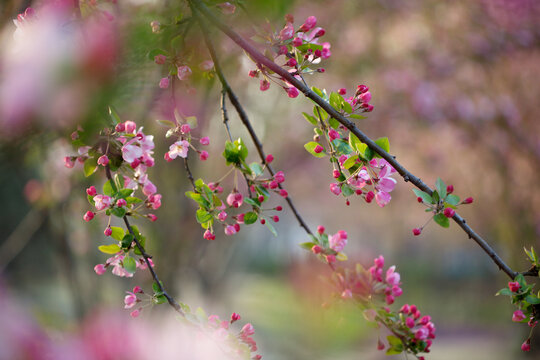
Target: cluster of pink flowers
{"x":520,"y":316}
{"x":360,"y":100}
{"x":221,"y":332}
{"x":118,"y":269}
{"x":131,"y":300}
{"x":329,"y":248}
{"x":301,"y":49}
{"x":373,"y":181}
{"x":181,"y":147}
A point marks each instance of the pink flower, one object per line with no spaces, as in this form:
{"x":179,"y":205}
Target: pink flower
{"x":292,"y":92}
{"x":130,"y":300}
{"x":179,"y":148}
{"x":135,"y":313}
{"x":203,"y":155}
{"x":152,"y":217}
{"x":131,"y":152}
{"x":235,"y":199}
{"x":155,"y":201}
{"x":382,"y":198}
{"x":279,"y":177}
{"x":88,"y":216}
{"x":160,"y":59}
{"x":392,"y":277}
{"x":121,"y":202}
{"x":91,"y":191}
{"x":164,"y":83}
{"x":417,"y":231}
{"x":421,"y":334}
{"x":69,"y":162}
{"x":108,"y":231}
{"x":330,"y":259}
{"x":369,"y":196}
{"x":185,"y":128}
{"x":283,"y":193}
{"x":287,"y":32}
{"x":247,"y":330}
{"x":230,"y":230}
{"x":389,"y":299}
{"x":449,"y":212}
{"x":222,"y":216}
{"x":342,"y":91}
{"x":234,"y":317}
{"x":308,"y":24}
{"x":514,"y":286}
{"x":208,"y":235}
{"x":335,"y":188}
{"x":526,"y":346}
{"x":409,"y":322}
{"x":205,"y":140}
{"x":100,"y":269}
{"x":297,"y":42}
{"x":206,"y":65}
{"x":333,"y":134}
{"x":316,"y":249}
{"x":468,"y":200}
{"x":379,"y":261}
{"x":264,"y":85}
{"x":130,"y":126}
{"x":518,"y":316}
{"x":184,"y":72}
{"x":364,"y":97}
{"x":338,"y":241}
{"x":269,"y":158}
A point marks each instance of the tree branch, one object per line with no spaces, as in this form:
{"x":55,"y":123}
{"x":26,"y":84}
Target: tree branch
{"x":405,"y":174}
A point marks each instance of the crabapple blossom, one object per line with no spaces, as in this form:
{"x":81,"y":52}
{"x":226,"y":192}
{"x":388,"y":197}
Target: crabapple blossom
{"x":264,"y":85}
{"x":449,"y":212}
{"x":89,"y":215}
{"x":518,"y":316}
{"x":179,"y":148}
{"x":338,"y":241}
{"x":130,"y":300}
{"x":160,"y":59}
{"x":108,"y":231}
{"x":164,"y":83}
{"x":335,"y":188}
{"x":204,"y":140}
{"x":514,"y":286}
{"x":91,"y":191}
{"x":100,"y":269}
{"x":230,"y":230}
{"x":203,"y":155}
{"x":235,"y":199}
{"x":184,"y":72}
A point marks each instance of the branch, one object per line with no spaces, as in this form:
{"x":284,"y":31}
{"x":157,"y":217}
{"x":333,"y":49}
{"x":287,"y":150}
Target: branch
{"x":244,"y":118}
{"x":145,"y":255}
{"x":405,"y":174}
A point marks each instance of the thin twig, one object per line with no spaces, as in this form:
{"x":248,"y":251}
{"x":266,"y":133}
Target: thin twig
{"x":258,"y":57}
{"x":172,"y":302}
{"x":245,"y":120}
{"x":189,"y":174}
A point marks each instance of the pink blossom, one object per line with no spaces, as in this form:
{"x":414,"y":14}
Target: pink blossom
{"x":330,"y":258}
{"x":449,"y":212}
{"x":283,"y":193}
{"x":135,"y":313}
{"x":379,"y":261}
{"x":382,"y":198}
{"x":131,"y":152}
{"x":222,"y":216}
{"x":287,"y":32}
{"x":185,"y":128}
{"x":417,"y":231}
{"x":335,"y":188}
{"x":342,"y":91}
{"x":279,"y":177}
{"x":184,"y":72}
{"x":88,"y":216}
{"x":392,"y":277}
{"x":468,"y":200}
{"x":130,"y":126}
{"x":389,"y":299}
{"x":318,"y":149}
{"x":269,"y":158}
{"x":338,"y":241}
{"x":514,"y":286}
{"x":230,"y":230}
{"x":208,"y":235}
{"x":333,"y":134}
{"x":264,"y":85}
{"x":108,"y":231}
{"x":235,"y":199}
{"x":121,"y":202}
{"x":130,"y":300}
{"x":421,"y":334}
{"x":247,"y":330}
{"x":204,"y":140}
{"x":203,"y":155}
{"x":149,"y":188}
{"x":155,"y":201}
{"x":397,"y":291}
{"x":369,"y":196}
{"x":409,"y":322}
{"x":526,"y":346}
{"x":518,"y":316}
{"x":152,"y":217}
{"x":69,"y":162}
{"x":160,"y":59}
{"x":164,"y":83}
{"x":364,"y":97}
{"x":206,"y":65}
{"x":179,"y":148}
{"x":316,"y":249}
{"x":308,"y":24}
{"x":297,"y":42}
{"x":91,"y":191}
{"x":100,"y":269}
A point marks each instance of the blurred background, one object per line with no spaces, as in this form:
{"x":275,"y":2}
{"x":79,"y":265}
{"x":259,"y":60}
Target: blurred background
{"x":455,"y":88}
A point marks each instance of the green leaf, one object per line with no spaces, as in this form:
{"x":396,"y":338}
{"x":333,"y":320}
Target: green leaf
{"x":252,"y":202}
{"x":90,"y":166}
{"x":166,"y":123}
{"x":310,"y":147}
{"x":396,"y":346}
{"x":250,"y":218}
{"x":350,"y":162}
{"x":426,"y":198}
{"x":256,"y":168}
{"x":108,"y":189}
{"x":109,"y":249}
{"x":317,"y":91}
{"x":133,"y":200}
{"x":203,"y":216}
{"x":161,"y":299}
{"x":333,"y":123}
{"x":347,"y":190}
{"x":119,"y":181}
{"x":308,"y":245}
{"x":394,"y":340}
{"x":124,"y":193}
{"x":358,"y":117}
{"x":117,"y":233}
{"x":319,"y":113}
{"x":441,"y":188}
{"x":129,"y":264}
{"x":342,"y":146}
{"x":270,"y":227}
{"x":505,"y":291}
{"x":119,"y":212}
{"x":452,"y":199}
{"x":192,"y":121}
{"x":435,"y":197}
{"x":113,"y":115}
{"x":156,"y":289}
{"x":335,"y":100}
{"x":198,"y":198}
{"x":442,"y":220}
{"x":531,"y":299}
{"x":310,"y":119}
{"x":383,"y":143}
{"x":127,"y":240}
{"x":346,"y":106}
{"x":242,"y":149}
{"x":90,"y":200}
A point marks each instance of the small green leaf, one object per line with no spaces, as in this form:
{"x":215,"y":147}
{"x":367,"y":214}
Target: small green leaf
{"x":133,"y":200}
{"x":129,"y":264}
{"x":90,"y":166}
{"x":166,"y":123}
{"x":113,"y":115}
{"x":358,"y":117}
{"x":203,"y":216}
{"x":435,"y":197}
{"x":271,"y":227}
{"x":531,"y":299}
{"x":156,"y":289}
{"x":346,"y":106}
{"x":192,"y":121}
{"x":108,"y":189}
{"x":347,"y":190}
{"x":441,"y":188}
{"x":252,"y":202}
{"x":161,"y":299}
{"x":119,"y":181}
{"x":119,"y":212}
{"x":310,"y":119}
{"x":452,"y":199}
{"x":442,"y":220}
{"x":426,"y":198}
{"x":127,"y":240}
{"x":350,"y":162}
{"x":109,"y":249}
{"x":310,"y":147}
{"x":250,"y":218}
{"x":317,"y":91}
{"x":383,"y":143}
{"x":506,"y":291}
{"x":256,"y":168}
{"x":308,"y":245}
{"x":333,"y":123}
{"x":117,"y":233}
{"x":342,"y":146}
{"x":124,"y":193}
